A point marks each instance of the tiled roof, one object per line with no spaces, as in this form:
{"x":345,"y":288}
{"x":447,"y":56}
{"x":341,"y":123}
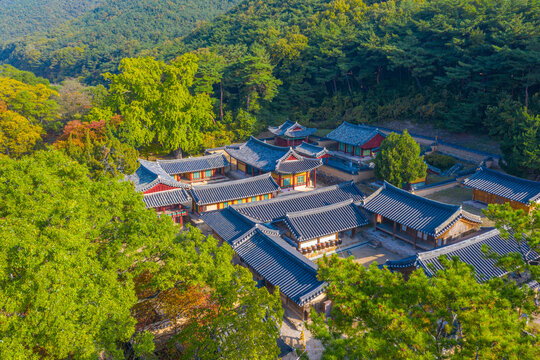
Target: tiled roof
{"x":280,"y":264}
{"x":192,"y":164}
{"x":287,"y":129}
{"x":166,"y":198}
{"x":504,"y":185}
{"x":351,"y":134}
{"x":234,"y":190}
{"x":331,"y":219}
{"x":267,"y":157}
{"x":421,"y":214}
{"x":297,"y":166}
{"x":149,"y":174}
{"x":468,"y":251}
{"x":274,"y":209}
{"x":227,"y":223}
{"x":310,"y":150}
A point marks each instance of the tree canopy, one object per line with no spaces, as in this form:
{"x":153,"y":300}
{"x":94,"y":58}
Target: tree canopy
{"x":73,"y":250}
{"x":399,"y":161}
{"x":376,"y":314}
{"x":157,"y":106}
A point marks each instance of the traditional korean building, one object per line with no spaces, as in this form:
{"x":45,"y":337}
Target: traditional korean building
{"x":291,"y":133}
{"x":318,"y":228}
{"x":493,"y":187}
{"x":160,"y":191}
{"x":150,"y":177}
{"x":468,"y":251}
{"x":357,"y":140}
{"x":254,"y":232}
{"x":276,"y":263}
{"x":270,"y":211}
{"x":289,"y":169}
{"x":169,"y":203}
{"x":312,"y":151}
{"x":196,"y":169}
{"x":221,"y":195}
{"x":419,"y":221}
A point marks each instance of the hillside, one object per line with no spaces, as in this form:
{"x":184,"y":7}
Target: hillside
{"x":23,"y":17}
{"x":457,"y":64}
{"x":95,"y":42}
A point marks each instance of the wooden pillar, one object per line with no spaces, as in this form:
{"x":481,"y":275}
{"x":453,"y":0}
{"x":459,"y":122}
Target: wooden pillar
{"x":394,"y":232}
{"x":252,"y":171}
{"x":279,"y":180}
{"x":315,"y":179}
{"x":374,"y":221}
{"x":293,"y":181}
{"x":190,"y":176}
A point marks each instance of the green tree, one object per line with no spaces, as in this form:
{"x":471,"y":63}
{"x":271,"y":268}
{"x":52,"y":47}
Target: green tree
{"x":399,"y":161}
{"x":72,"y":250}
{"x":156,"y":105}
{"x":35,"y":102}
{"x":521,"y":145}
{"x":376,"y":314}
{"x":18,"y":136}
{"x":258,"y":81}
{"x":69,"y":249}
{"x":243,"y":322}
{"x":525,"y":229}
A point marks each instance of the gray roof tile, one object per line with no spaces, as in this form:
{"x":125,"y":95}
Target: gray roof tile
{"x":192,"y":164}
{"x":356,"y":135}
{"x":280,"y":264}
{"x":149,"y":174}
{"x":287,"y":129}
{"x":504,"y":185}
{"x":468,"y":251}
{"x":166,"y":198}
{"x":274,"y":209}
{"x":267,"y":157}
{"x":307,"y":149}
{"x":314,"y":223}
{"x":234,"y":190}
{"x":416,"y":212}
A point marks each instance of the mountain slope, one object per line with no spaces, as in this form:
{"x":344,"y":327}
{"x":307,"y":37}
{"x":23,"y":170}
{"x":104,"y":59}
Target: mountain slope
{"x":95,"y":42}
{"x":23,"y":17}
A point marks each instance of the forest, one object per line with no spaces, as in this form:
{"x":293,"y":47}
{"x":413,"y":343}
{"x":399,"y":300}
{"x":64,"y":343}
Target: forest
{"x":460,"y":65}
{"x":24,"y":17}
{"x":96,"y":41}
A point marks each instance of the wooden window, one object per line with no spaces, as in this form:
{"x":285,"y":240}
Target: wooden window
{"x":208,"y":173}
{"x":300,"y":180}
{"x":197,"y":175}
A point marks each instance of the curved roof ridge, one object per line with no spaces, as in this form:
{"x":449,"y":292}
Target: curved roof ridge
{"x":169,"y":161}
{"x":275,"y":147}
{"x":233,"y":182}
{"x":421,"y":198}
{"x":459,"y":245}
{"x":319,"y":209}
{"x":301,"y":195}
{"x":502,"y":174}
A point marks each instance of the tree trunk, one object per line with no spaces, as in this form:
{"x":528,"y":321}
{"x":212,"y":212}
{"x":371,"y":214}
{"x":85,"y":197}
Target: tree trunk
{"x":526,"y":97}
{"x":221,"y":100}
{"x":418,"y":82}
{"x":247,"y":103}
{"x":348,"y":84}
{"x":379,"y":70}
{"x":177,"y":153}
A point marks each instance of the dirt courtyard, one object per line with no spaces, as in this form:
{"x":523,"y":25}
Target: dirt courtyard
{"x":365,"y":255}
